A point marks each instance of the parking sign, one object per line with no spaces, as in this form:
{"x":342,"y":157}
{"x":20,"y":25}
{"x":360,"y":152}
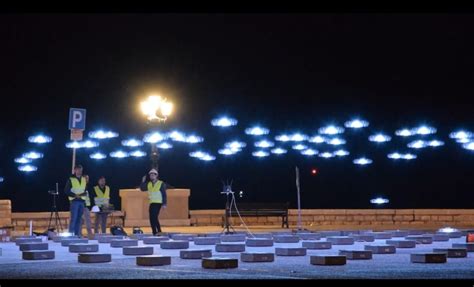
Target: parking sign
{"x":77,"y":119}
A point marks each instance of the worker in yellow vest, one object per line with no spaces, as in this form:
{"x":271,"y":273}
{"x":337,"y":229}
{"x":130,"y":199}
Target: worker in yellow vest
{"x":75,"y":189}
{"x":156,"y":196}
{"x":102,"y":200}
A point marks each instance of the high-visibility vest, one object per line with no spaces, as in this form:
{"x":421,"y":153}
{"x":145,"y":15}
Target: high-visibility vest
{"x":101,"y":198}
{"x":154,"y":193}
{"x":78,"y":187}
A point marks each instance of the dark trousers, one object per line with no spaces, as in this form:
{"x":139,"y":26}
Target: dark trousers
{"x":77,"y":209}
{"x":154,"y":211}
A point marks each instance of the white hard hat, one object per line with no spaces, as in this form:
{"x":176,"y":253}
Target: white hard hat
{"x":153,"y":171}
{"x":95,"y":208}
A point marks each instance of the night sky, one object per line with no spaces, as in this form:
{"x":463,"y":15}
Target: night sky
{"x":286,"y":72}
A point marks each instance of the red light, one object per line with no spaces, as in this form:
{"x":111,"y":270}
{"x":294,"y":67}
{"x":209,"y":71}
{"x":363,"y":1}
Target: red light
{"x":314,"y":171}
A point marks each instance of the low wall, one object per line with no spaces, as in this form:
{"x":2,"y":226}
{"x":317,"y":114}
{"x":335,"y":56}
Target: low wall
{"x":352,"y":218}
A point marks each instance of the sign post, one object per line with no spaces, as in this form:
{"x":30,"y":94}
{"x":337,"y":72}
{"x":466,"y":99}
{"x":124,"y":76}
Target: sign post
{"x":77,"y":125}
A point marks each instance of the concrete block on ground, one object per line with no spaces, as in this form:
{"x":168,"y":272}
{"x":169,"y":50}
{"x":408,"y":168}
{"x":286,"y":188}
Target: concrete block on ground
{"x":259,"y":242}
{"x":400,"y":233}
{"x":109,"y":238}
{"x":415,"y":232}
{"x":420,"y":239}
{"x":230,"y":247}
{"x":183,"y":236}
{"x":34,"y":246}
{"x":174,"y":244}
{"x":363,"y":237}
{"x":440,"y":237}
{"x":257,"y":257}
{"x":290,"y":251}
{"x":356,"y":254}
{"x":316,"y":244}
{"x":206,"y":240}
{"x":123,"y":243}
{"x":401,"y":243}
{"x":94,"y":258}
{"x":286,"y":239}
{"x":83,"y":247}
{"x":328,"y":260}
{"x":140,"y":236}
{"x":468,"y":246}
{"x":195,"y":254}
{"x":67,"y":242}
{"x":38,"y":255}
{"x":233,"y":238}
{"x":21,"y":240}
{"x":309,"y":236}
{"x":454,"y":234}
{"x":330,"y":233}
{"x":219,"y":263}
{"x":382,"y":235}
{"x":381,"y":249}
{"x":153,"y":260}
{"x":154,"y":239}
{"x":340,"y":240}
{"x":428,"y":257}
{"x":137,"y":250}
{"x":262,"y":235}
{"x":452,"y":252}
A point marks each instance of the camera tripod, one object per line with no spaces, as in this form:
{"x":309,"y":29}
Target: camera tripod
{"x":54,"y":211}
{"x":228,"y":207}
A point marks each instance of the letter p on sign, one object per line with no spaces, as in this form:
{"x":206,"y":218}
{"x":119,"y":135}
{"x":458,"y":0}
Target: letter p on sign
{"x":77,"y":119}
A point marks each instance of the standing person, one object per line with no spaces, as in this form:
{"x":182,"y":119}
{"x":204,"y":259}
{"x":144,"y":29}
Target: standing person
{"x":75,"y":189}
{"x":156,"y":196}
{"x":102,"y":200}
{"x":86,"y":216}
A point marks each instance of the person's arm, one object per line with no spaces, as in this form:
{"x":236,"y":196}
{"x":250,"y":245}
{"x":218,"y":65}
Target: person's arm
{"x":163,"y":193}
{"x":67,"y":189}
{"x":144,"y":186}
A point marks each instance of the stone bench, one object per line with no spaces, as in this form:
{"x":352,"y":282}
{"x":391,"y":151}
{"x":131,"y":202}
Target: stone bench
{"x":182,"y":236}
{"x":233,"y":238}
{"x":340,"y":240}
{"x":468,"y":246}
{"x":381,"y":249}
{"x":137,"y":250}
{"x":286,"y":239}
{"x":440,"y":237}
{"x":110,"y":238}
{"x":117,"y":243}
{"x":420,"y":239}
{"x":309,"y":236}
{"x":67,"y":242}
{"x":452,"y":252}
{"x":401,"y":243}
{"x":154,"y":239}
{"x":363,"y":237}
{"x":400,"y":233}
{"x":19,"y":241}
{"x":206,"y":240}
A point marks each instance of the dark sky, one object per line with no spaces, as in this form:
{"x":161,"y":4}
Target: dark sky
{"x":287,"y":72}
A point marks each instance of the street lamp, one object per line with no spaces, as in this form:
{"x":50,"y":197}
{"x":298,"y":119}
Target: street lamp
{"x":156,"y":109}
